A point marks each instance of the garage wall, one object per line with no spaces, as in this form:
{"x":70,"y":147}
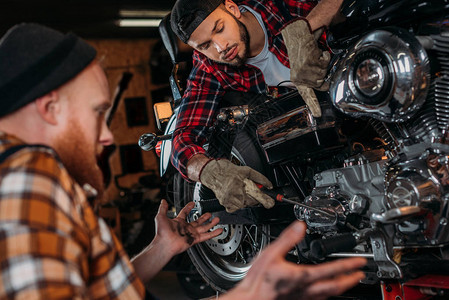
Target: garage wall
{"x":116,"y":57}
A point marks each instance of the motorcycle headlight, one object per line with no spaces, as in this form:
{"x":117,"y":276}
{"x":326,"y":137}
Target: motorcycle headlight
{"x":385,"y":75}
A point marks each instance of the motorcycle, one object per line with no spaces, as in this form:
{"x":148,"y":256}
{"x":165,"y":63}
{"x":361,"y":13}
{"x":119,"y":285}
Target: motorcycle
{"x":370,"y":177}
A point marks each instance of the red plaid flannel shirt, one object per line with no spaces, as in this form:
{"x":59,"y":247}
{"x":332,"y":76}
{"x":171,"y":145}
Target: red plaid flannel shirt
{"x":209,"y":80}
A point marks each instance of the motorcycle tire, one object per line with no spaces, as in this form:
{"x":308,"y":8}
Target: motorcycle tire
{"x":194,"y":286}
{"x":225,"y":260}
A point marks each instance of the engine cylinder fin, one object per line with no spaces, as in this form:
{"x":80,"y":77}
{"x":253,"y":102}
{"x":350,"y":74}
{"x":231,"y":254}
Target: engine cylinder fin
{"x":425,"y":123}
{"x":441,"y":108}
{"x":441,"y":43}
{"x":384,"y":132}
{"x":433,"y":117}
{"x":442,"y":102}
{"x":442,"y":91}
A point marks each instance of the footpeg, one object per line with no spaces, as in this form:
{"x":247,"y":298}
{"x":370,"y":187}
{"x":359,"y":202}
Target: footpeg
{"x":397,"y":215}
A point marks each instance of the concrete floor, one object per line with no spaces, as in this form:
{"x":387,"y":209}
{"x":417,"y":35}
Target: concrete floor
{"x":165,"y":286}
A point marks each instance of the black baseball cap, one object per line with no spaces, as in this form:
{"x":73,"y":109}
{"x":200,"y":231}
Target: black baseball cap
{"x":187,"y":15}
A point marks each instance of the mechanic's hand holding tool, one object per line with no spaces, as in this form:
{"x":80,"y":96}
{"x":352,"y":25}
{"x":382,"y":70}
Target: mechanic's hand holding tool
{"x":235,"y":186}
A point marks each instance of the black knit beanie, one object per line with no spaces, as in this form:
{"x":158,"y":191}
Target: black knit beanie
{"x":34,"y":60}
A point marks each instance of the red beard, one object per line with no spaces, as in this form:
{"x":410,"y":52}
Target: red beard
{"x":78,"y":156}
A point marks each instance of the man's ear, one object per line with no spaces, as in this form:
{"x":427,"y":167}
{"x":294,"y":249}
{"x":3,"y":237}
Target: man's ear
{"x":232,"y":8}
{"x":48,"y":107}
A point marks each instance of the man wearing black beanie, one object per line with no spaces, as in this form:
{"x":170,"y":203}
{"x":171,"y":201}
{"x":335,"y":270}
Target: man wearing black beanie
{"x":53,"y":96}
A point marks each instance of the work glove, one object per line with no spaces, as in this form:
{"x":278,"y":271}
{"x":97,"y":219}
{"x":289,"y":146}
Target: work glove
{"x":308,"y":63}
{"x":235,"y":186}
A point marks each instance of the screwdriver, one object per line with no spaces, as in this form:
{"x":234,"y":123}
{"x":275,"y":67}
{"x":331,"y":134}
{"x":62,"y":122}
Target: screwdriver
{"x":281,"y":198}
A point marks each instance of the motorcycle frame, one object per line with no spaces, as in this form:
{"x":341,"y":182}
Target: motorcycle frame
{"x":415,"y":289}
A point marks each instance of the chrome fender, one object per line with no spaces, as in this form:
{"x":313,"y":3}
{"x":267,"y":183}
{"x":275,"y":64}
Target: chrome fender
{"x":166,"y":147}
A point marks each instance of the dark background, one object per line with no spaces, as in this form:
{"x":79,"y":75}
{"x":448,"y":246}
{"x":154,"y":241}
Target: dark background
{"x":88,"y":19}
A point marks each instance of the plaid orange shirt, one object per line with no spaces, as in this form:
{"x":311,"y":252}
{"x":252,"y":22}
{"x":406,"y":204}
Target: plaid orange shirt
{"x":52,"y":245}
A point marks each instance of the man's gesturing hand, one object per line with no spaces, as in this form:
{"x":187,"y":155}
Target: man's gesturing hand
{"x":173,"y":236}
{"x":235,"y":186}
{"x":272,"y":277}
{"x":181,"y":235}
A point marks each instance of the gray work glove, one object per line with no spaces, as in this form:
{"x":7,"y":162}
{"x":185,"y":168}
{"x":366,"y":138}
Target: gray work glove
{"x":308,"y":63}
{"x":235,"y":186}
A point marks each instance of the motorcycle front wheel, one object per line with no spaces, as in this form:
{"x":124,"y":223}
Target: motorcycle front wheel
{"x":224,"y":260}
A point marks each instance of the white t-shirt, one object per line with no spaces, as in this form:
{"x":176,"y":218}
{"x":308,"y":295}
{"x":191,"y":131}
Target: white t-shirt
{"x":274,"y":72}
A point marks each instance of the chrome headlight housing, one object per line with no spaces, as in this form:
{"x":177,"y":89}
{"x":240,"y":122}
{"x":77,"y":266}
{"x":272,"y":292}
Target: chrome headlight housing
{"x":385,"y":75}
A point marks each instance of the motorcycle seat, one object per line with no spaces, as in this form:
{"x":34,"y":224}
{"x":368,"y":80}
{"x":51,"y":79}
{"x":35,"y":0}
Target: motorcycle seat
{"x":179,"y":51}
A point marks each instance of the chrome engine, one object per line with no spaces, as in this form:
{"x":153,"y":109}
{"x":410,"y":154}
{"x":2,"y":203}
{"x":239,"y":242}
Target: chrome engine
{"x":355,"y":189}
{"x":384,"y":76}
{"x":403,"y":194}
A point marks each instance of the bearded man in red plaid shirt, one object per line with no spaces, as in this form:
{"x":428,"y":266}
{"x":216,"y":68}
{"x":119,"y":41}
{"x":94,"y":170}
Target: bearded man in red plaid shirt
{"x":248,"y":47}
